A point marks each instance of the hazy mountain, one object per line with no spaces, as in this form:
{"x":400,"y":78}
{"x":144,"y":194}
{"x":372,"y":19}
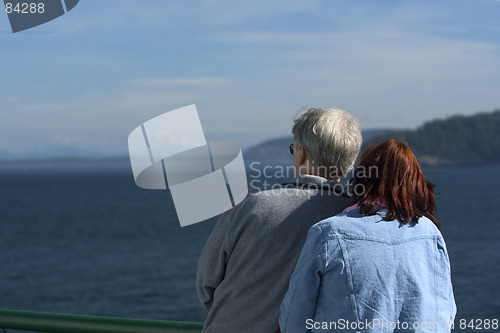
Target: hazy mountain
{"x":66,"y":151}
{"x":58,"y":164}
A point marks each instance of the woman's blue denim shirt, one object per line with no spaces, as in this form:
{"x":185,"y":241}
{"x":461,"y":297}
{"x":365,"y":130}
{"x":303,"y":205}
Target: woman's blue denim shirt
{"x":363,"y":274}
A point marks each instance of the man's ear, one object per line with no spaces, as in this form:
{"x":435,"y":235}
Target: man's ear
{"x":302,"y":158}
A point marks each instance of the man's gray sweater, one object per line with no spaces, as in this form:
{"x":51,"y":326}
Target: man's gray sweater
{"x":244,"y":269}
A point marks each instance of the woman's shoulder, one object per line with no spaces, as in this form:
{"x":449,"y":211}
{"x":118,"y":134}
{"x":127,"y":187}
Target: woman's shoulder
{"x":353,"y":223}
{"x":346,"y":221}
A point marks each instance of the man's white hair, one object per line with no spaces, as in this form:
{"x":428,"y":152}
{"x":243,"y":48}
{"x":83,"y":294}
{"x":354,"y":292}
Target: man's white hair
{"x":330,"y":137}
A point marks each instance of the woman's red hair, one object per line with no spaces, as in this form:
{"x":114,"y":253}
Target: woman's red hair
{"x":391,"y":176}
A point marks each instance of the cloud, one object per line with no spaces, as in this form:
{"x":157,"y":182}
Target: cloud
{"x":171,"y":15}
{"x":98,"y":120}
{"x":390,"y":74}
{"x":157,"y":82}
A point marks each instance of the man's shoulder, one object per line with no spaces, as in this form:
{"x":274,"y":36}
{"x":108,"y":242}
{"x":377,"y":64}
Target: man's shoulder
{"x":271,"y":199}
{"x":278,"y":192}
{"x":290,"y":194}
{"x":281,"y":202}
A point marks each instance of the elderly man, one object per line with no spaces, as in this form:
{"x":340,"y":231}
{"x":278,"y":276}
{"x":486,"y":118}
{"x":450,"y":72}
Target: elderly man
{"x":245,"y":267}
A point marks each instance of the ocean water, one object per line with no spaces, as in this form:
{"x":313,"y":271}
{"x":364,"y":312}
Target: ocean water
{"x":89,"y":241}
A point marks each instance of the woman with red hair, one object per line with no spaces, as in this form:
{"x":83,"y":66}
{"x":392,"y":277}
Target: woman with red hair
{"x":382,"y":264}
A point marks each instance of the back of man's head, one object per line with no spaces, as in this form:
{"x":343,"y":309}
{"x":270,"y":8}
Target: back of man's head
{"x":331,"y":139}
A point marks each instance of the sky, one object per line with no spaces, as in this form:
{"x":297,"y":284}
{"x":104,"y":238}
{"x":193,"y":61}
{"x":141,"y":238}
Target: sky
{"x":84,"y":81}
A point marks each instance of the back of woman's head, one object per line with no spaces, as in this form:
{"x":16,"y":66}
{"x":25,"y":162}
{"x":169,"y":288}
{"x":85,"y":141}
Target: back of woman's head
{"x":390,"y":176}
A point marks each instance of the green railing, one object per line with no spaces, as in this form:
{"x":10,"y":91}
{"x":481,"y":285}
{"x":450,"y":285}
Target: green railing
{"x":66,"y":323}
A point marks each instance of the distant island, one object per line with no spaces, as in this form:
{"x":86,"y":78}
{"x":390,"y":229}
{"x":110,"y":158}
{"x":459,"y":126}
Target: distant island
{"x":457,"y":140}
